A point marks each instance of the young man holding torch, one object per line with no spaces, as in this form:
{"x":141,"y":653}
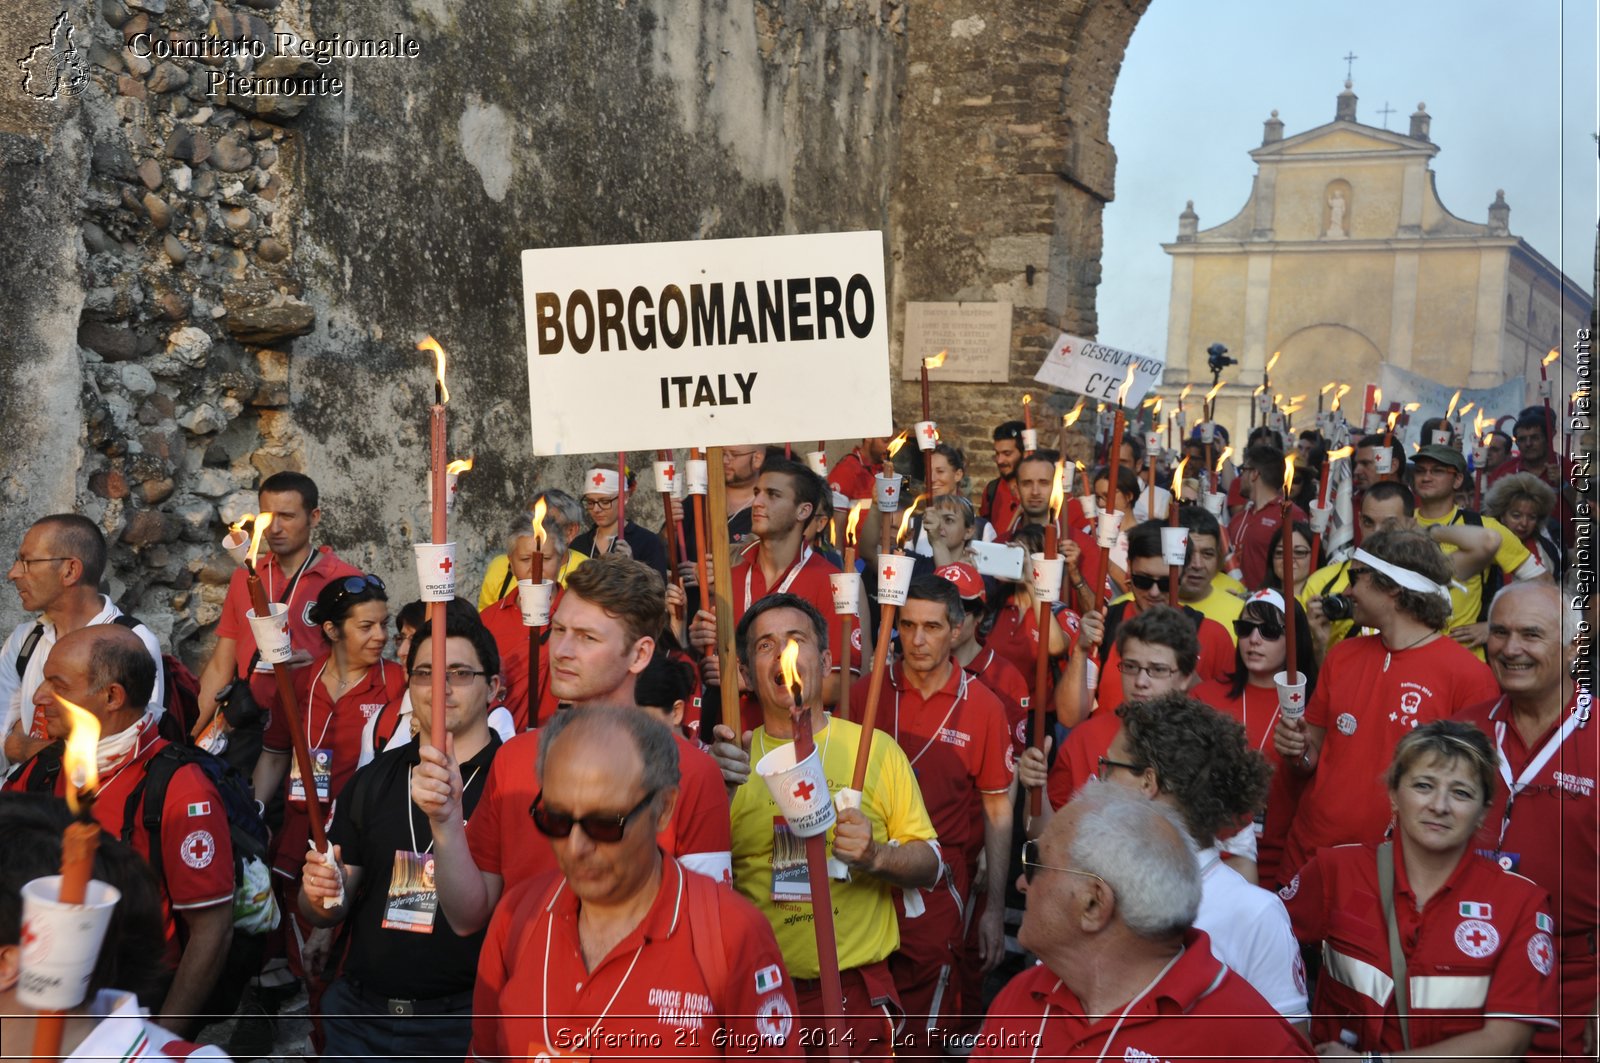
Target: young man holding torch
{"x":887,"y":843}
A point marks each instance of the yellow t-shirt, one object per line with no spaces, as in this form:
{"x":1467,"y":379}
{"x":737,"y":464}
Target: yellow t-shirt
{"x":1228,"y":585}
{"x":863,"y":908}
{"x":1220,"y":605}
{"x":497,"y":582}
{"x":1330,"y":579}
{"x":1465,"y":605}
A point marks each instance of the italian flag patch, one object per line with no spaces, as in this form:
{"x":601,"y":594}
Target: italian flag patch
{"x":200,"y":808}
{"x":769,"y":978}
{"x":1474,"y":910}
{"x":1544,"y":922}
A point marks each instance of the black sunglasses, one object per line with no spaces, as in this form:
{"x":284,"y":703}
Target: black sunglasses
{"x":1145,"y":583}
{"x":596,"y":827}
{"x":1270,"y":630}
{"x":357,"y":584}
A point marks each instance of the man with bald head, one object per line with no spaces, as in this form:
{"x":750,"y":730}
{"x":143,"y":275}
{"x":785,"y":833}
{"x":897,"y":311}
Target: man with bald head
{"x":106,"y":670}
{"x":682,"y":965}
{"x":1112,"y":891}
{"x":1548,"y":828}
{"x":57,"y":574}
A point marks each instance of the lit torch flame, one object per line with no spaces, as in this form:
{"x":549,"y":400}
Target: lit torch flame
{"x":936,"y":361}
{"x":1213,"y":392}
{"x":1342,"y":452}
{"x":1071,"y":418}
{"x":1273,"y":360}
{"x":459,"y":466}
{"x":1451,"y":412}
{"x":431,"y":344}
{"x":1127,"y":382}
{"x":1412,"y":407}
{"x":1466,"y":408}
{"x":1259,"y":389}
{"x":1377,"y":398}
{"x":787,"y":661}
{"x":238,"y":526}
{"x":1155,"y":411}
{"x":1288,"y":475}
{"x":1057,"y":493}
{"x":1344,"y":389}
{"x":897,"y":442}
{"x":1477,"y":427}
{"x":538,"y":525}
{"x":905,"y":522}
{"x":1184,"y":393}
{"x":1394,"y":415}
{"x":1555,"y":352}
{"x":1329,"y":386}
{"x":262,"y":521}
{"x":78,"y":758}
{"x":855,"y":517}
{"x":1177,"y":479}
{"x":1222,"y":459}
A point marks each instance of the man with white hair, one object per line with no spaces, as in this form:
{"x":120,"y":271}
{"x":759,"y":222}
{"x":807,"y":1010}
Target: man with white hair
{"x":1112,"y":892}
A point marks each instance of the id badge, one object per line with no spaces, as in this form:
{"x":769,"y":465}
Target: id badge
{"x":413,"y":895}
{"x":1507,"y":861}
{"x":321,"y":774}
{"x":791,"y":878}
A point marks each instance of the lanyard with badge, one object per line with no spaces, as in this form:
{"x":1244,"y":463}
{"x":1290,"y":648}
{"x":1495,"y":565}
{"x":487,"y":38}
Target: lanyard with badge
{"x":413,"y":901}
{"x":321,"y":756}
{"x":961,"y":693}
{"x":537,"y":1051}
{"x":794,"y":571}
{"x":1578,"y":717}
{"x":791,"y":878}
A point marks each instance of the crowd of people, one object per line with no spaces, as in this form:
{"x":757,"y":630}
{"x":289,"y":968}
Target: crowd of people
{"x":1194,"y":857}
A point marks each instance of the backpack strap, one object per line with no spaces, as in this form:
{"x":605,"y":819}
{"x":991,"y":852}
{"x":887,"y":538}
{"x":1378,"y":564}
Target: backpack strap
{"x":149,"y":798}
{"x":1397,"y":956}
{"x":705,"y":937}
{"x":29,"y":644}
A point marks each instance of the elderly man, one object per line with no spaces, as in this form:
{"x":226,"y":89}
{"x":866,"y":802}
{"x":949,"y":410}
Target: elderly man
{"x":57,"y":575}
{"x":503,"y":618}
{"x":1547,"y":828}
{"x":106,"y":670}
{"x":1112,"y":892}
{"x":622,"y":951}
{"x":563,"y":512}
{"x":887,"y":843}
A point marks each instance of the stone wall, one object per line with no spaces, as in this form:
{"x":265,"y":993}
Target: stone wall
{"x":217,"y":287}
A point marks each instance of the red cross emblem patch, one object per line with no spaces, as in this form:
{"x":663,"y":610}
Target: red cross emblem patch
{"x":198,"y":849}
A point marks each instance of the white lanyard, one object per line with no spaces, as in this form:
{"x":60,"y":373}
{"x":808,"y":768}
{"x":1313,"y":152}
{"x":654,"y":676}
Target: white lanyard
{"x":294,"y":581}
{"x":411,"y":819}
{"x":1039,"y":1037}
{"x":1244,"y":710}
{"x":794,"y":571}
{"x":961,"y":692}
{"x":1576,"y":718}
{"x":311,"y":700}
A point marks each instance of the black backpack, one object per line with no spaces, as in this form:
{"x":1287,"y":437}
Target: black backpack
{"x":145,"y":804}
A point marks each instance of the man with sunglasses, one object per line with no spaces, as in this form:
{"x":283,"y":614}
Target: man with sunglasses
{"x":887,"y":843}
{"x":1372,"y":690}
{"x":621,"y":951}
{"x":57,"y":574}
{"x":406,"y":983}
{"x":1112,"y":895}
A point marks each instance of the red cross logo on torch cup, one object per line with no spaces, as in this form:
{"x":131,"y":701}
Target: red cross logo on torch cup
{"x":670,"y":472}
{"x":888,"y":572}
{"x":929,"y":431}
{"x":446,"y":565}
{"x":1294,"y":698}
{"x":803,"y":790}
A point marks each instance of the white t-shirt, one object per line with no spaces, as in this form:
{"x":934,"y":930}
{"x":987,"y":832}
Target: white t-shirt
{"x":500,"y":721}
{"x":16,"y":693}
{"x":126,"y":1033}
{"x":1250,"y":932}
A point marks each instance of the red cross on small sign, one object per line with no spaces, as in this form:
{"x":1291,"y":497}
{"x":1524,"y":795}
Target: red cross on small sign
{"x":446,"y":565}
{"x":803,"y":790}
{"x":199,"y":849}
{"x":1294,"y":698}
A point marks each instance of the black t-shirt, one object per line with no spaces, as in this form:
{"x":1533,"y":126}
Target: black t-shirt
{"x":645,"y":544}
{"x":369,"y":825}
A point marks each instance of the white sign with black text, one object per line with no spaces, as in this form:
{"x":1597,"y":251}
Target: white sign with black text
{"x":1098,"y":371}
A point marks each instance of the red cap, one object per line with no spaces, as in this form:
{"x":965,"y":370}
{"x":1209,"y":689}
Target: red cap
{"x":968,"y":583}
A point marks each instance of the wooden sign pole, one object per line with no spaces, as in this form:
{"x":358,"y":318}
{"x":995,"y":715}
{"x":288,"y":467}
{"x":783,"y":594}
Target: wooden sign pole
{"x":727,"y":707}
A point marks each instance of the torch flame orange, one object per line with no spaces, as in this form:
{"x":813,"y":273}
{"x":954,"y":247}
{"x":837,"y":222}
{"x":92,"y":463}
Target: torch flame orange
{"x":1477,"y":426}
{"x":897,"y":442}
{"x":1222,"y":459}
{"x":262,"y":522}
{"x":1155,"y":411}
{"x":855,"y":517}
{"x":787,"y":661}
{"x":439,"y":359}
{"x":459,"y":466}
{"x":1127,"y":382}
{"x":78,"y":758}
{"x":1451,"y":412}
{"x":1466,"y":408}
{"x":1288,"y":475}
{"x":1071,"y":417}
{"x":1394,"y":415}
{"x":1329,"y":386}
{"x":1337,"y":395}
{"x":238,"y":526}
{"x":1377,"y":397}
{"x":538,"y":525}
{"x":1214,"y":390}
{"x":1555,"y":352}
{"x":1057,"y":492}
{"x":1259,"y":389}
{"x":1412,"y":407}
{"x":905,"y":522}
{"x":936,"y":361}
{"x":1177,"y":479}
{"x":1342,"y":452}
{"x":1273,"y":360}
{"x":1184,"y":393}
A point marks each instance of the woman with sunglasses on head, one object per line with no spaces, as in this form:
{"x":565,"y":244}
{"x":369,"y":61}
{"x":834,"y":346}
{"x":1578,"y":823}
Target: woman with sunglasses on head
{"x":1426,"y":945}
{"x":335,"y":694}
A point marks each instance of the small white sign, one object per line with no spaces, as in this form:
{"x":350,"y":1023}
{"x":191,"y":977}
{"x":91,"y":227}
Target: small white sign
{"x":707,"y":342}
{"x":1097,"y":371}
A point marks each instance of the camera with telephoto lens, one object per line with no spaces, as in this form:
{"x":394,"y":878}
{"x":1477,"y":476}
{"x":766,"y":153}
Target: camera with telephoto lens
{"x":1338,"y":607}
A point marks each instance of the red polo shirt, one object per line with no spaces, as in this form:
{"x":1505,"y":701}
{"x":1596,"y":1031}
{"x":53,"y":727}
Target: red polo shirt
{"x":504,"y":621}
{"x":655,"y":994}
{"x":999,"y":507}
{"x":1015,"y":637}
{"x":322,"y":567}
{"x":1216,"y":657}
{"x":333,"y":734}
{"x":1079,"y":757}
{"x":852,"y":477}
{"x":1552,"y":835}
{"x":807,"y":578}
{"x":1199,"y":1010}
{"x":1250,"y":532}
{"x":1007,"y":684}
{"x":1479,"y":949}
{"x":1367,"y":699}
{"x":958,"y":746}
{"x":503,"y":839}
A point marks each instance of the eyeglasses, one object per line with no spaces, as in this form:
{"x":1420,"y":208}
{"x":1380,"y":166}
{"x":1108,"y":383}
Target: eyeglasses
{"x":1107,"y":762}
{"x":1031,"y":864}
{"x":26,"y":561}
{"x":1154,"y":671}
{"x":1301,"y":553}
{"x":599,"y":503}
{"x":1144,"y":583}
{"x":596,"y":827}
{"x":456,"y":677}
{"x":1355,"y":572}
{"x":1269,"y":630}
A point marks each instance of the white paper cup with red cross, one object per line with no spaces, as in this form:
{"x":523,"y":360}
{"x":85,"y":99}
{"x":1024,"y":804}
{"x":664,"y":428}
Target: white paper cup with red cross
{"x":817,"y":461}
{"x":1208,"y":431}
{"x":61,"y":942}
{"x":237,"y":543}
{"x":272,"y":633}
{"x":1291,"y":696}
{"x":1320,"y":516}
{"x":1383,"y":461}
{"x":696,"y":476}
{"x":1090,"y":504}
{"x":1030,"y":440}
{"x":894,"y":579}
{"x":436,"y":570}
{"x":887,"y":491}
{"x":1480,"y":455}
{"x":800,"y":790}
{"x":534,"y":601}
{"x":1174,"y":546}
{"x":666,"y":475}
{"x":927,"y":434}
{"x":1046,"y":574}
{"x":1107,"y":527}
{"x":846,"y":588}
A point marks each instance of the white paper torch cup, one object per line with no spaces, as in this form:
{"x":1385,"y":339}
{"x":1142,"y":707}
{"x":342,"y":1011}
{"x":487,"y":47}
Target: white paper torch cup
{"x":927,"y":435}
{"x":1107,"y":526}
{"x":887,"y":491}
{"x":696,"y":476}
{"x":1030,"y":440}
{"x":436,"y":570}
{"x":1277,"y":423}
{"x":1091,"y":507}
{"x":1046,"y":574}
{"x":1291,"y":696}
{"x":1383,"y":461}
{"x":1545,"y":388}
{"x":817,"y":461}
{"x":272,"y":633}
{"x":238,"y":546}
{"x":846,"y":593}
{"x":1440,"y":437}
{"x":1174,"y":545}
{"x":800,"y":790}
{"x":1215,"y":502}
{"x":1208,"y":431}
{"x":451,"y":486}
{"x":845,"y":798}
{"x":1152,"y":442}
{"x":1480,"y":456}
{"x":1320,"y":515}
{"x":61,"y":942}
{"x":894,"y":579}
{"x":666,"y":474}
{"x":534,"y":601}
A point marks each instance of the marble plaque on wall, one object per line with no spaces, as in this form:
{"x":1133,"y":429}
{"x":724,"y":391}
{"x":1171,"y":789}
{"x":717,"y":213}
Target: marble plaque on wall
{"x":976,"y":335}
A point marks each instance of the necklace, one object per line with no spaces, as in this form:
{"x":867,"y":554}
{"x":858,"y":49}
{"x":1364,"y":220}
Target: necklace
{"x":1389,"y":654}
